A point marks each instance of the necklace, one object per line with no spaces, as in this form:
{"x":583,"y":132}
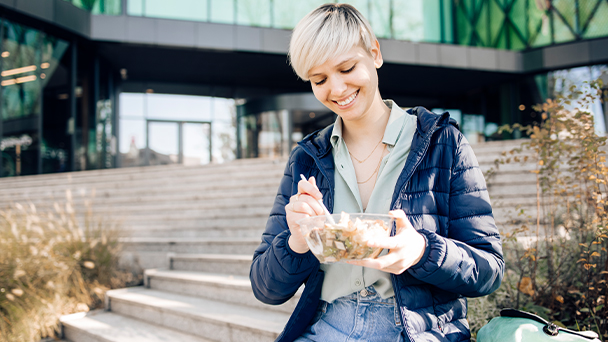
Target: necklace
{"x":361,"y":161}
{"x":375,"y":171}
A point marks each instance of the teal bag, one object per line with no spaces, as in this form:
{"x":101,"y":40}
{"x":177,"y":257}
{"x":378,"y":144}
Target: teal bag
{"x":520,"y":326}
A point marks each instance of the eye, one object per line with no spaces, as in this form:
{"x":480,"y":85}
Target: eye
{"x":320,"y":82}
{"x":349,"y":70}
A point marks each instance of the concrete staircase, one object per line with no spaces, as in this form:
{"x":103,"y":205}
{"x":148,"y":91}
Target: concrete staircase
{"x":193,"y":231}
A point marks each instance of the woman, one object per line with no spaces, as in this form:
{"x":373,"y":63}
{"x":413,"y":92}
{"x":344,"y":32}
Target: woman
{"x":376,"y":158}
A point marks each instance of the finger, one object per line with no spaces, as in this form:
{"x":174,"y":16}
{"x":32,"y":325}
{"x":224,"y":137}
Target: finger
{"x":303,"y":208}
{"x":313,"y":203}
{"x":388,"y":242}
{"x":400,"y":218}
{"x":306,"y":187}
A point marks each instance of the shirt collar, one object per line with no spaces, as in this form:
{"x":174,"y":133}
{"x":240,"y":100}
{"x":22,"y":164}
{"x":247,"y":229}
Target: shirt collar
{"x":391,"y":133}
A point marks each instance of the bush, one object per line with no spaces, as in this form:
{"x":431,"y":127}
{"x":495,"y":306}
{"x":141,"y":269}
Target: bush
{"x":51,"y":265}
{"x":557,"y":262}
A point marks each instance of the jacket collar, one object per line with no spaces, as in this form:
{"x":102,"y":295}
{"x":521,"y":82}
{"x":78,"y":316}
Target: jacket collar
{"x":318,"y":143}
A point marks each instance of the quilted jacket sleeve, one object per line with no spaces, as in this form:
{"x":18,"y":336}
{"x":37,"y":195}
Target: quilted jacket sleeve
{"x":276,"y":271}
{"x":469,"y":260}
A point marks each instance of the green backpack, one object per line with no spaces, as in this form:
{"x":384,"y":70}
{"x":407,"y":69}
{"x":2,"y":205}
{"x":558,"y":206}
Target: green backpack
{"x":519,"y":326}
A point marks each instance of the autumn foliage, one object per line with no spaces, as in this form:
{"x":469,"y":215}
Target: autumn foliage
{"x":557,"y":260}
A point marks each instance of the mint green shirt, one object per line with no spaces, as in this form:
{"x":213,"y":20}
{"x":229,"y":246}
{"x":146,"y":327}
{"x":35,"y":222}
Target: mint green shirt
{"x":342,"y":279}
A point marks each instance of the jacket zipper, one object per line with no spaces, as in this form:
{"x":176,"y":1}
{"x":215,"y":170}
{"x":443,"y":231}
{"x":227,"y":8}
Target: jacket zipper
{"x":393,"y":276}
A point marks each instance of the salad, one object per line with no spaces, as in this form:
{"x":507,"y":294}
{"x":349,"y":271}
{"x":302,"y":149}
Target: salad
{"x":346,"y":239}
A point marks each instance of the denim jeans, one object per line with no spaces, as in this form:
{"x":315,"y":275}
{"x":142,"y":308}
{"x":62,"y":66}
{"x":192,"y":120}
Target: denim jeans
{"x":360,"y":316}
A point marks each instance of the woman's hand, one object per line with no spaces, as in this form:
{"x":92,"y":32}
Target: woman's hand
{"x":406,"y":247}
{"x":302,"y":205}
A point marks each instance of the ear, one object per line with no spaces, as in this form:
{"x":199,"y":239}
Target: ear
{"x":376,"y":54}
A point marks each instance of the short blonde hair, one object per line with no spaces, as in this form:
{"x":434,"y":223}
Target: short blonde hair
{"x":326,"y":32}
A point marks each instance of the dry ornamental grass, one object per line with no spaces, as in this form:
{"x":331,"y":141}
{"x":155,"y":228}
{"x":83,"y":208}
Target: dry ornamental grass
{"x":51,"y":264}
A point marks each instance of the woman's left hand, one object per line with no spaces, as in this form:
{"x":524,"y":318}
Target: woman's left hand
{"x":406,"y":247}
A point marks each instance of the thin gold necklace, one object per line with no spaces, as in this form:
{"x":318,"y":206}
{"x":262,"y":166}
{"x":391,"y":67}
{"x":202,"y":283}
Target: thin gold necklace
{"x":376,"y":171}
{"x":361,"y":161}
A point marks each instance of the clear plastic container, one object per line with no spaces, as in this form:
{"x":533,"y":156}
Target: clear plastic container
{"x":347,"y":239}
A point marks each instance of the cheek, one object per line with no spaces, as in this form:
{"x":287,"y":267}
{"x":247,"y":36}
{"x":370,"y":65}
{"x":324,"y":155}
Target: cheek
{"x":319,"y":94}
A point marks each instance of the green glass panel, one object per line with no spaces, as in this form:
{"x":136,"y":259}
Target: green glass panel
{"x":253,"y":12}
{"x":539,"y":24}
{"x":464,"y":28}
{"x":501,"y":40}
{"x":195,"y":10}
{"x":408,"y":20}
{"x":287,"y":14}
{"x":448,"y":28}
{"x":561,"y":31}
{"x":598,"y":27}
{"x":431,"y":20}
{"x":135,"y":7}
{"x":222,"y":11}
{"x":497,"y":17}
{"x":362,"y":6}
{"x":567,"y":9}
{"x":380,"y":18}
{"x":21,"y":65}
{"x":586,"y":10}
{"x":108,"y":7}
{"x":515,"y":41}
{"x":482,"y":28}
{"x":517,"y":15}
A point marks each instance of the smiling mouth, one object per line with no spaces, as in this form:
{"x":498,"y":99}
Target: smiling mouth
{"x":348,"y":100}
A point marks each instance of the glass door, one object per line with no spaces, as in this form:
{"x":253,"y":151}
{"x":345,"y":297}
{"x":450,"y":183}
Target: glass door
{"x":162,"y":143}
{"x":178,"y":142}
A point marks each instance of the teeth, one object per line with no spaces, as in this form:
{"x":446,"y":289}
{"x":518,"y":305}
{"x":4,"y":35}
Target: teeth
{"x":348,"y":100}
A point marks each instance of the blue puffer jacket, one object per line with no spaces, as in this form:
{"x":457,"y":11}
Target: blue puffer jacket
{"x":443,"y":193}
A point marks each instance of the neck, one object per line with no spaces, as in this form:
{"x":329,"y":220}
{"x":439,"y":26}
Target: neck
{"x":370,"y":127}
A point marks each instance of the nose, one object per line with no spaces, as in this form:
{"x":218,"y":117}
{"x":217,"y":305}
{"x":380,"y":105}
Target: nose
{"x":338,"y":86}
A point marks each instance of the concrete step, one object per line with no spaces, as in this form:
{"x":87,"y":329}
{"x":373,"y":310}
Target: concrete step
{"x":232,"y":264}
{"x":152,"y":196}
{"x":232,"y":231}
{"x":191,"y":245}
{"x":212,"y":319}
{"x":85,"y":177}
{"x":163,"y":205}
{"x":221,"y":287}
{"x":103,"y":326}
{"x":148,"y":187}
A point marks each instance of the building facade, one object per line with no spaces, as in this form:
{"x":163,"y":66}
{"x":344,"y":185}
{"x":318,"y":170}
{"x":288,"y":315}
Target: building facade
{"x":92,"y":84}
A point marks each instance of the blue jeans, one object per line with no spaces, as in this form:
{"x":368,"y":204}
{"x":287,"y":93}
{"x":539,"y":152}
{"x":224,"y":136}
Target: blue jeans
{"x":360,"y":316}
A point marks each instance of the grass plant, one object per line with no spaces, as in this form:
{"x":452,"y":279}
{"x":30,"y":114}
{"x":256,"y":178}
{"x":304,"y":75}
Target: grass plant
{"x":53,"y":263}
{"x":557,"y":258}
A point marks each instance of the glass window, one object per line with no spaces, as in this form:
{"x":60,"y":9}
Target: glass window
{"x":135,"y":7}
{"x":539,"y":24}
{"x":108,"y":7}
{"x":178,"y":107}
{"x":287,"y":14}
{"x":132,"y":142}
{"x":195,"y":10}
{"x":380,"y":18}
{"x":408,"y":23}
{"x":253,"y":13}
{"x":132,"y":105}
{"x":598,"y":25}
{"x":561,"y":30}
{"x":222,"y":11}
{"x":362,"y":6}
{"x":20,"y":71}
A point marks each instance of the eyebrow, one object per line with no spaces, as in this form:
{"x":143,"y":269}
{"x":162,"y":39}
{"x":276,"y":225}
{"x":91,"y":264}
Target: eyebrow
{"x":337,"y":65}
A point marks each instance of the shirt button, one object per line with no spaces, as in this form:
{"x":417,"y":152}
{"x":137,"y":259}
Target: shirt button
{"x":357,"y":282}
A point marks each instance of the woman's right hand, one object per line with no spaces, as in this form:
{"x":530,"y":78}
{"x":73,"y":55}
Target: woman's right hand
{"x":302,"y":205}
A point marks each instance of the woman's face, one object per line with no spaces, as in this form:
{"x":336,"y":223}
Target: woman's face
{"x":348,"y":83}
